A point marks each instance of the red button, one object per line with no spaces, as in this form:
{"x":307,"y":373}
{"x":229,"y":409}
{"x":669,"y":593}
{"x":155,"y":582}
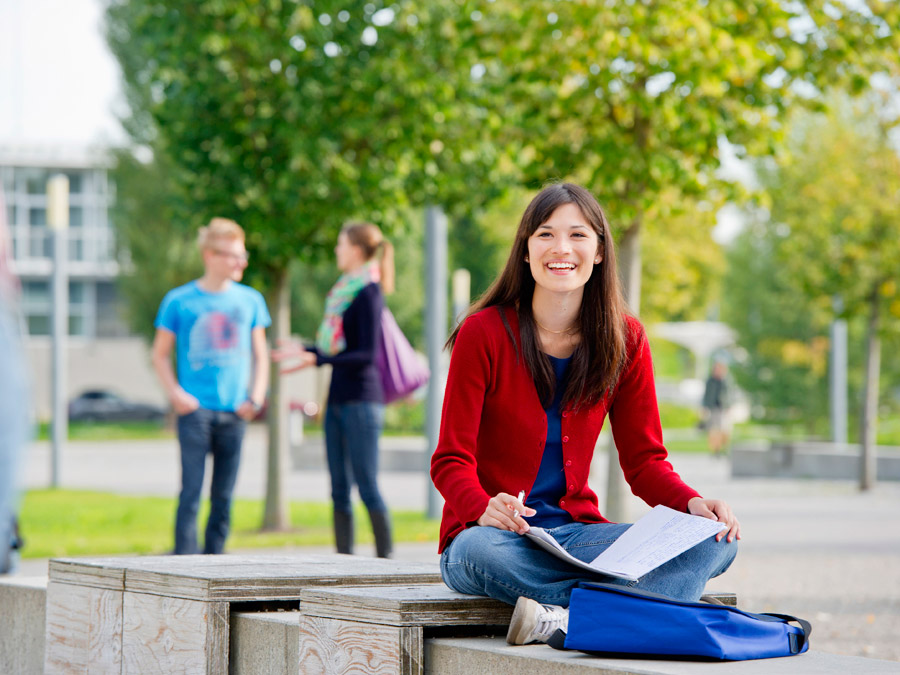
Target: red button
{"x":565,"y":413}
{"x":562,"y":502}
{"x":569,"y":462}
{"x":571,"y":487}
{"x":565,"y":439}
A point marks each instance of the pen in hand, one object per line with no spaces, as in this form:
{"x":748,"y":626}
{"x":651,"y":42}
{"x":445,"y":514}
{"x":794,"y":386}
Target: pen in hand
{"x":520,"y":498}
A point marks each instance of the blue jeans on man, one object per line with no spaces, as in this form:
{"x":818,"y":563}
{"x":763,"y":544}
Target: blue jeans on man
{"x":505,"y":565}
{"x":203,"y":432}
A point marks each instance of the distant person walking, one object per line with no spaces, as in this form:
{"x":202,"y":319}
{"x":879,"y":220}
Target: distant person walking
{"x":348,"y":338}
{"x":715,"y":404}
{"x":218,"y":328}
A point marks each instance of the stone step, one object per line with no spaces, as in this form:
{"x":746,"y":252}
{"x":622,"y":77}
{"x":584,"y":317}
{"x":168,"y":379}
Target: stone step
{"x":463,"y":656}
{"x":22,"y":613}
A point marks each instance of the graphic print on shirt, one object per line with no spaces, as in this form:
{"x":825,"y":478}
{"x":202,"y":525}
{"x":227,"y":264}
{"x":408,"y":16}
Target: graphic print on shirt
{"x":214,"y":340}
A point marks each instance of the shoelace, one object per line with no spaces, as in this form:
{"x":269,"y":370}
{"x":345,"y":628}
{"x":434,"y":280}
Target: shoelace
{"x":551,"y":619}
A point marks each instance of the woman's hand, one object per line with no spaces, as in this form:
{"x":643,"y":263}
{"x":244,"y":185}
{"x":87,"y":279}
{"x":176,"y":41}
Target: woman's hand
{"x":503,"y":512}
{"x":717,"y":509}
{"x":290,"y":350}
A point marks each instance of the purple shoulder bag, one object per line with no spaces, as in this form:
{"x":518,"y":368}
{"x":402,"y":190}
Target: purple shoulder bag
{"x":401,"y":369}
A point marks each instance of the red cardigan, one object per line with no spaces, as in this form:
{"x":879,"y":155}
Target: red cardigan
{"x":493,"y":429}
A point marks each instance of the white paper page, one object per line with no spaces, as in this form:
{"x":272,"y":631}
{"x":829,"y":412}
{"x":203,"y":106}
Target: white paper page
{"x":545,"y":540}
{"x":656,"y":538}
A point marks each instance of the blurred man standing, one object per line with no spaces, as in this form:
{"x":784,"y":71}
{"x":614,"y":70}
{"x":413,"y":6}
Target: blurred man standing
{"x":217,"y":328}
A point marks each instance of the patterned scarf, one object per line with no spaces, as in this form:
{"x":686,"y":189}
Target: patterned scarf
{"x":330,"y":336}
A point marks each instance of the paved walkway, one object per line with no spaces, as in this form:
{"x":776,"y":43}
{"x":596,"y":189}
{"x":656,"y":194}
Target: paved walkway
{"x":819,"y":550}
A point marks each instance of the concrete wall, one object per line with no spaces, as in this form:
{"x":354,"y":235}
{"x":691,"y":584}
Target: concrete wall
{"x":809,"y":459}
{"x":22,"y":615}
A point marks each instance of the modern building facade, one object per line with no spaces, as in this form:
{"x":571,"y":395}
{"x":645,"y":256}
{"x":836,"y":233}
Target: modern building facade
{"x":94,"y":307}
{"x":101,"y":352}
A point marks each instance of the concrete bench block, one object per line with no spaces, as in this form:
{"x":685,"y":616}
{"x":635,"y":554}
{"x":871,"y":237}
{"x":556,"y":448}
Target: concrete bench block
{"x":163,"y":614}
{"x":463,"y":656}
{"x":809,"y":460}
{"x":22,"y":616}
{"x":265,"y":642}
{"x":358,"y":629}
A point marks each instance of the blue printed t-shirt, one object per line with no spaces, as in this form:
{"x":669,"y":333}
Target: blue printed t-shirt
{"x":550,"y":484}
{"x":213,"y":348}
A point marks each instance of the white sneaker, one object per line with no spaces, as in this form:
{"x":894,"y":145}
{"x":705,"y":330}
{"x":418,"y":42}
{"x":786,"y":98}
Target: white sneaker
{"x":534,"y":622}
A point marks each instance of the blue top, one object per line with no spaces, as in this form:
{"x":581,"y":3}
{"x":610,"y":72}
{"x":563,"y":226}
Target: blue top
{"x":550,"y":484}
{"x":354,"y":376}
{"x":213,"y":348}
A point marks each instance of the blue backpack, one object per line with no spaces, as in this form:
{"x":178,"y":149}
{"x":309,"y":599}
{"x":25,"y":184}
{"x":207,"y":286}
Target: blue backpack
{"x":616,"y":620}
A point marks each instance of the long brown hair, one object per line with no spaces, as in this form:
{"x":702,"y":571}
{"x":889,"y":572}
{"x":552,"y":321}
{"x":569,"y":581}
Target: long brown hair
{"x":370,"y":239}
{"x":600,"y":356}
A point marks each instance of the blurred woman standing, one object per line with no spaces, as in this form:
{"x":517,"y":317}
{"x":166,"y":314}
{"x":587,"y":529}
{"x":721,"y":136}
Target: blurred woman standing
{"x":348,"y":339}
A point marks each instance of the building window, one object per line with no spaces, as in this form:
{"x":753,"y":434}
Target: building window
{"x":39,"y":243}
{"x":38,"y":324}
{"x":75,"y":181}
{"x":37,"y":305}
{"x":37,"y":215}
{"x":76,"y":216}
{"x":109,"y":320}
{"x":36,"y":181}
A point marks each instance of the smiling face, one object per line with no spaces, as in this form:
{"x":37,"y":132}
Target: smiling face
{"x":563,"y":251}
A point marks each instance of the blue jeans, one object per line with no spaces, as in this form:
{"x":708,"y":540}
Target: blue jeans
{"x":504,"y":565}
{"x":352,"y":431}
{"x":200,"y":433}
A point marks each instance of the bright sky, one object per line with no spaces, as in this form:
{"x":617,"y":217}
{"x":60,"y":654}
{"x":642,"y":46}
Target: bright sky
{"x":59,"y":84}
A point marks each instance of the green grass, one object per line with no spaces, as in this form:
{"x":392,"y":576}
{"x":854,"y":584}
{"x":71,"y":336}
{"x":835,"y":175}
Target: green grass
{"x":110,"y":431}
{"x":670,"y":361}
{"x":673,"y":416}
{"x":58,"y":523}
{"x":889,"y":430}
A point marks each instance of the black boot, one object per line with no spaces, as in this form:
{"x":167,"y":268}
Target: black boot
{"x":343,"y":531}
{"x":381,"y":528}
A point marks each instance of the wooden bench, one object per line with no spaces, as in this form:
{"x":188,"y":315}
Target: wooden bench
{"x":361,"y":629}
{"x":365,"y":629}
{"x":172,"y":613}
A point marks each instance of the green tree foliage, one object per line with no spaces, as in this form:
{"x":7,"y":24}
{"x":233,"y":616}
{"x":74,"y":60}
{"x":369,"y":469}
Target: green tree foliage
{"x":292,"y":118}
{"x":682,"y":265}
{"x":835,"y":195}
{"x":783,"y":332}
{"x":829,"y":229}
{"x":631,"y":98}
{"x":158,"y":251}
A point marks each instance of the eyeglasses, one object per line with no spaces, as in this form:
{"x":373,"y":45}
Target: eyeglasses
{"x":237,"y":257}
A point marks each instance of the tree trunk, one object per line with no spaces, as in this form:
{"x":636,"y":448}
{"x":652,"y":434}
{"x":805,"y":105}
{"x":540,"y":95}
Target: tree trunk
{"x":630,"y":264}
{"x":629,"y":259}
{"x":275,"y":516}
{"x":869,"y":417}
